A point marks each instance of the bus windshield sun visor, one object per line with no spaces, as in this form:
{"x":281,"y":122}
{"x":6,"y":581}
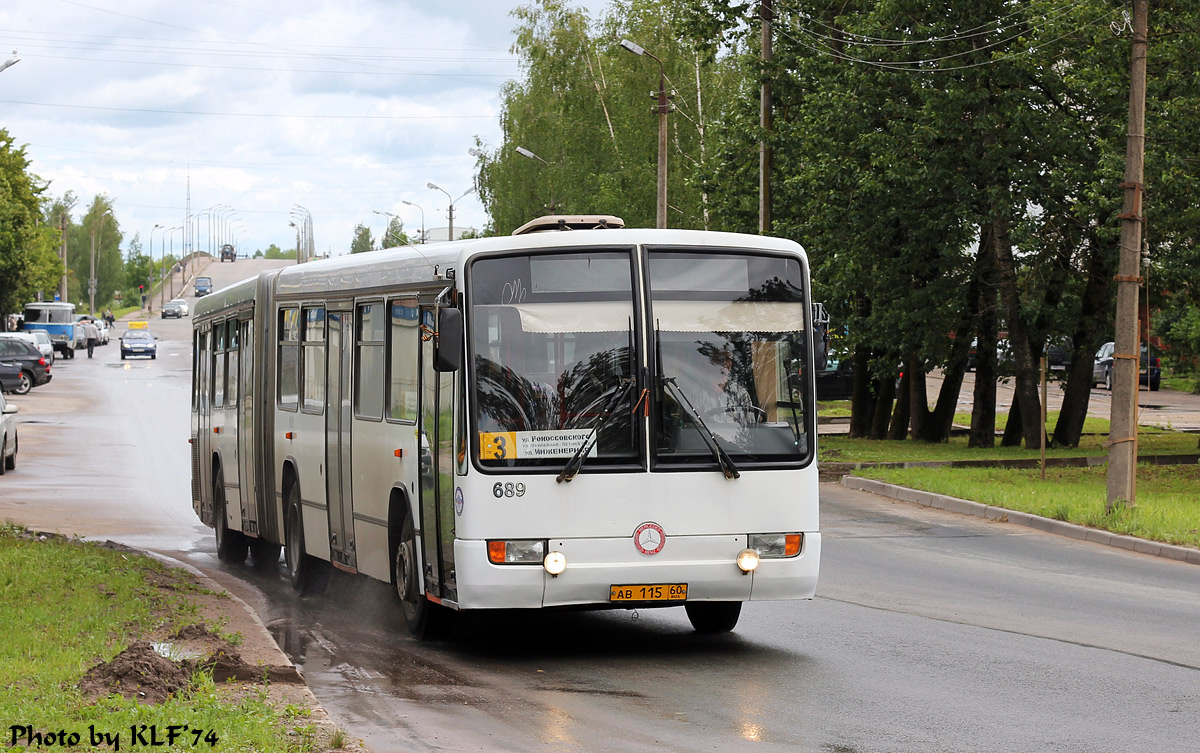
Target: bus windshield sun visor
{"x":573,"y":465}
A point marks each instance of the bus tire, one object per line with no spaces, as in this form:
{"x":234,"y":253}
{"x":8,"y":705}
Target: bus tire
{"x":425,"y":620}
{"x":713,"y":616}
{"x":307,"y":574}
{"x":264,"y":553}
{"x":231,"y":545}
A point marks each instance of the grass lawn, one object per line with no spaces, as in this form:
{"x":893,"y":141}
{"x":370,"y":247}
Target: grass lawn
{"x":1167,"y":510}
{"x":841,"y":449}
{"x":66,"y":606}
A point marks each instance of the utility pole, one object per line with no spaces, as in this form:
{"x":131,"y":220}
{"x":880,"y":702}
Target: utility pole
{"x":92,"y":277}
{"x":1122,"y":443}
{"x":765,"y":12}
{"x":62,"y":254}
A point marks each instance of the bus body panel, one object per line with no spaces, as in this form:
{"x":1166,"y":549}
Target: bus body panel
{"x":611,"y":505}
{"x":376,"y":470}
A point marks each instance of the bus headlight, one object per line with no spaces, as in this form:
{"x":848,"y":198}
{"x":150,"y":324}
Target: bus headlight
{"x":516,"y":551}
{"x":747,"y":560}
{"x":776,"y":545}
{"x":555,"y":563}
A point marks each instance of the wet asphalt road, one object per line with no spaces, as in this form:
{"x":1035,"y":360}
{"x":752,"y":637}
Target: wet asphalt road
{"x":931,"y":631}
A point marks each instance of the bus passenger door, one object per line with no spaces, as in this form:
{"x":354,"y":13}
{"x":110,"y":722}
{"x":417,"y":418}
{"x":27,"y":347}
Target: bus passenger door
{"x":245,"y":418}
{"x":437,"y":470}
{"x":340,"y":349}
{"x":202,"y":447}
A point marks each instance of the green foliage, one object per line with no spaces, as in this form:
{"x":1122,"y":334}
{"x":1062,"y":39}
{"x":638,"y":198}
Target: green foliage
{"x":88,"y":603}
{"x":582,"y":108}
{"x":362,"y":241}
{"x":274,"y":252}
{"x":28,"y":258}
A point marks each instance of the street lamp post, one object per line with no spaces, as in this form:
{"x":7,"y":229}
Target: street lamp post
{"x":662,"y":107}
{"x":450,"y":211}
{"x":409,"y":203}
{"x":11,"y":61}
{"x":387,"y":229}
{"x":162,"y":284}
{"x":150,"y":280}
{"x":530,"y":155}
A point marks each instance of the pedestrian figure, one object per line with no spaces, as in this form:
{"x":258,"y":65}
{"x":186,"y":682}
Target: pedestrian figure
{"x":92,"y":332}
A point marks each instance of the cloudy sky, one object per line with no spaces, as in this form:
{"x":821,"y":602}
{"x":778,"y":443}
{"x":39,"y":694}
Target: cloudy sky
{"x":341,"y":107}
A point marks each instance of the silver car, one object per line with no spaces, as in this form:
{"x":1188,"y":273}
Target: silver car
{"x":8,"y":436}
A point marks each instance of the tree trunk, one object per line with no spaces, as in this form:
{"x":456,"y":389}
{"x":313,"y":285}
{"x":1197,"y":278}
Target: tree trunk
{"x":1094,"y":313}
{"x":983,"y":410}
{"x":885,"y":394}
{"x":862,"y":402}
{"x":1013,"y":429}
{"x":899,"y":428}
{"x":1027,"y":371}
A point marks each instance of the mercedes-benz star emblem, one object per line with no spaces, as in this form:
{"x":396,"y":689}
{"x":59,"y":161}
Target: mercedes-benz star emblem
{"x":649,"y":538}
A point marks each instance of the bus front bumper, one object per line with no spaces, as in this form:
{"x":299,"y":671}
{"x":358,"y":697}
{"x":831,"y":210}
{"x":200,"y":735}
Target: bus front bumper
{"x":706,"y":564}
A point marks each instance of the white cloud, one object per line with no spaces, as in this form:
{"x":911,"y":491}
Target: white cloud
{"x":342,"y":107}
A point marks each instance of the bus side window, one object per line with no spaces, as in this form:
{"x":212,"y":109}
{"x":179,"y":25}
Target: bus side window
{"x":313,"y":362}
{"x":369,"y":336}
{"x":289,"y":359}
{"x":218,"y":370}
{"x":403,"y":343}
{"x":231,"y":365}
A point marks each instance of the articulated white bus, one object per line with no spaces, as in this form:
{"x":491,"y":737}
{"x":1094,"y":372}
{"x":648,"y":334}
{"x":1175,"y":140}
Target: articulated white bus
{"x":593,"y":418}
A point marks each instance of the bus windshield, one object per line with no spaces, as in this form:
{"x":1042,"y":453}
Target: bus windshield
{"x":729,"y":347}
{"x":553,"y":355}
{"x":50,"y":314}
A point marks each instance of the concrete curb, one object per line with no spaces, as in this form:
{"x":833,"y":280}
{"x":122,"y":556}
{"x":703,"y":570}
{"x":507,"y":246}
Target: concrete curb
{"x":1049,"y":525}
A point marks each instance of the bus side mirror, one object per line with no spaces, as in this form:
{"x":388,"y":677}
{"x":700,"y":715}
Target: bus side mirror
{"x":448,"y":346}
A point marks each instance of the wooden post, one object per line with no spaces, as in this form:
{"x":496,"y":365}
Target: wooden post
{"x":1122,"y":448}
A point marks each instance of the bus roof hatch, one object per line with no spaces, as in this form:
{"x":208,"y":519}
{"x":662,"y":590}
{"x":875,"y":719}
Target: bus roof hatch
{"x":553,"y":222}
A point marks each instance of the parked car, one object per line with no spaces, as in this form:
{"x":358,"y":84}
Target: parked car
{"x":38,"y":338}
{"x":1058,"y":355}
{"x":101,"y":326}
{"x":1150,"y":373}
{"x":138,"y":342}
{"x":8,"y":436}
{"x":836,"y":380}
{"x":202,"y":286}
{"x":10,"y":376}
{"x":176,"y":307}
{"x":35,"y":369}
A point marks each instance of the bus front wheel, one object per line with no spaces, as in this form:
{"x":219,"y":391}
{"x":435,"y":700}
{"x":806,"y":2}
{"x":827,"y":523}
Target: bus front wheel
{"x":713,"y":616}
{"x":425,"y":620}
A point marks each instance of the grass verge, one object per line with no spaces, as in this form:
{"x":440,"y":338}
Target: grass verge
{"x":67,"y":606}
{"x":1167,"y":510}
{"x":841,"y":449}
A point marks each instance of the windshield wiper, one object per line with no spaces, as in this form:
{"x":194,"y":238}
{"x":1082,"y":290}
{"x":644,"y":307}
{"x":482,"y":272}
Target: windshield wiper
{"x":573,"y":465}
{"x":727,"y":467}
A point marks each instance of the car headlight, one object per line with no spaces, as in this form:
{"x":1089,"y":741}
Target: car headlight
{"x":516,"y":551}
{"x":776,"y":545}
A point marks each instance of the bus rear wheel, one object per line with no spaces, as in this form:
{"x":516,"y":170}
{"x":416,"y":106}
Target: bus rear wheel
{"x":231,"y":545}
{"x":425,"y":620}
{"x":713,"y":616}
